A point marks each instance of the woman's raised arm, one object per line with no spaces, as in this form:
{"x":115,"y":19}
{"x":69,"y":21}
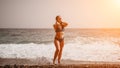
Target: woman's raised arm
{"x":64,"y":24}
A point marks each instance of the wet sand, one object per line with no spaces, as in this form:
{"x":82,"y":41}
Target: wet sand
{"x":25,"y":63}
{"x":64,"y":66}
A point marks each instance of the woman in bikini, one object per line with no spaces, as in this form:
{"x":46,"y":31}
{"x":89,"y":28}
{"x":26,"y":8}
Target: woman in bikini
{"x":59,"y":38}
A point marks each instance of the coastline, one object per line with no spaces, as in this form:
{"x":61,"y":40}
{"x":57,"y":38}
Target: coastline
{"x":26,"y":63}
{"x":64,"y":66}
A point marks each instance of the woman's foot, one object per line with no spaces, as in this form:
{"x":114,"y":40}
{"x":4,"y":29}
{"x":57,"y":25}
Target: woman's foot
{"x":58,"y":61}
{"x":54,"y":62}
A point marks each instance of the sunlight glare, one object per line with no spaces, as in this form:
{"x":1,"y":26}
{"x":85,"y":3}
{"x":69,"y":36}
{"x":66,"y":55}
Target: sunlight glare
{"x":117,"y":2}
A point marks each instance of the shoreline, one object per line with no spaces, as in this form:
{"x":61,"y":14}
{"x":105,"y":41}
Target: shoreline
{"x":11,"y":62}
{"x":64,"y":66}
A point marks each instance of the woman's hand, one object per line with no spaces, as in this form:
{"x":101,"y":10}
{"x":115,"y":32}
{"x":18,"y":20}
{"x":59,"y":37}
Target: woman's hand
{"x":64,"y":24}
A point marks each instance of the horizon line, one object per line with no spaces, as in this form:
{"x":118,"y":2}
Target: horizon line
{"x":66,"y":28}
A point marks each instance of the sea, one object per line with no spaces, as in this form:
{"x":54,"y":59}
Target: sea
{"x":80,"y":44}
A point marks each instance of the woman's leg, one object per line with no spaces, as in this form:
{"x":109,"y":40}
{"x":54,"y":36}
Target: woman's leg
{"x":57,"y":50}
{"x":61,"y":48}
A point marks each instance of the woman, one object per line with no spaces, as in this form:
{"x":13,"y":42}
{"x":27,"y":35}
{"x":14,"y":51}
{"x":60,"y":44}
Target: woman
{"x":59,"y":38}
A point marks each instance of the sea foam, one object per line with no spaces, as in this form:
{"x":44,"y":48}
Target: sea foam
{"x":94,"y":51}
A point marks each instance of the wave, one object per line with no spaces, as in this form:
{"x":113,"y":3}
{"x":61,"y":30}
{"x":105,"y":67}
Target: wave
{"x":94,"y":51}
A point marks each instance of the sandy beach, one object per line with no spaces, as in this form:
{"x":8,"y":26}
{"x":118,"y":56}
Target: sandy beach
{"x":64,"y":66}
{"x":25,"y":63}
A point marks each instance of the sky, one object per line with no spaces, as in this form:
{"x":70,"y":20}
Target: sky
{"x":42,"y":13}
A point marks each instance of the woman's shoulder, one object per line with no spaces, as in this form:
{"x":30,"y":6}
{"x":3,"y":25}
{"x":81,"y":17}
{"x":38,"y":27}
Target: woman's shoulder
{"x":55,"y":25}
